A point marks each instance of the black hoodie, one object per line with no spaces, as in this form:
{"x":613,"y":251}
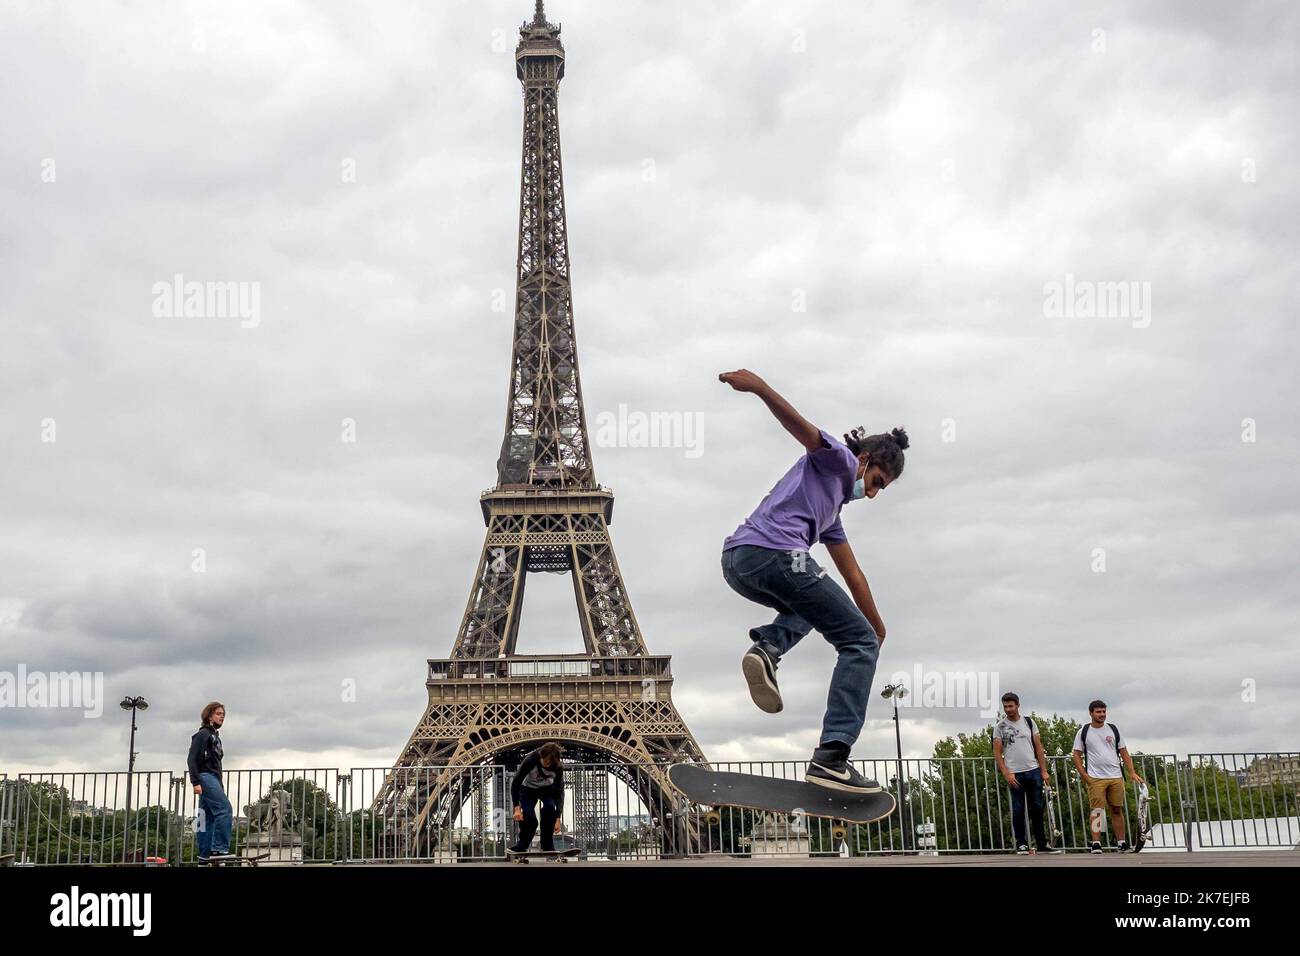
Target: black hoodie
{"x":538,"y":780}
{"x":205,"y":753}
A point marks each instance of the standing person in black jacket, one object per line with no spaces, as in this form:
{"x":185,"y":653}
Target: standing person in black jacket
{"x":540,"y":778}
{"x":205,"y":773}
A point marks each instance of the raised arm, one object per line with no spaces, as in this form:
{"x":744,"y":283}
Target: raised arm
{"x":743,"y":380}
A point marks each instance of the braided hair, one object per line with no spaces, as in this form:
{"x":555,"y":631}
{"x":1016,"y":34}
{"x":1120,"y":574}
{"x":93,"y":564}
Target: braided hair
{"x":886,"y":449}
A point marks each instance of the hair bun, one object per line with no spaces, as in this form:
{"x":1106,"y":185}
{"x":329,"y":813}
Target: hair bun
{"x":900,"y":436}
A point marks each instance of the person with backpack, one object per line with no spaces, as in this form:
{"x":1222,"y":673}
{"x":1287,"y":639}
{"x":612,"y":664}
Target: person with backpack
{"x":1018,"y":751}
{"x":204,"y":764}
{"x":1098,"y":751}
{"x":540,"y":778}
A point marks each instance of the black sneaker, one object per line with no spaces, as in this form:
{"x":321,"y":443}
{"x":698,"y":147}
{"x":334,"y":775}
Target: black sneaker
{"x":1050,"y":849}
{"x":760,"y":674}
{"x":1122,"y":847}
{"x":517,"y":849}
{"x":1022,"y":850}
{"x":831,"y":768}
{"x":1095,"y":848}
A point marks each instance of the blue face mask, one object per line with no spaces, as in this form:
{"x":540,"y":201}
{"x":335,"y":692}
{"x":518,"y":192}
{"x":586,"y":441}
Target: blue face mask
{"x":859,"y":488}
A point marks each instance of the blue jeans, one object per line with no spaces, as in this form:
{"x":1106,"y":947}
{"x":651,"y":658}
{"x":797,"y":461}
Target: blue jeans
{"x":1031,"y":791}
{"x":794,"y":585}
{"x":214,"y":817}
{"x":527,"y":803}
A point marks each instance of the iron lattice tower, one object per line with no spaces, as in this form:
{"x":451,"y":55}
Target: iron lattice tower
{"x":590,"y":808}
{"x":488,"y":704}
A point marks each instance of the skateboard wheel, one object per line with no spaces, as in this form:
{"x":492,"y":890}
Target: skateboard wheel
{"x":839,"y":831}
{"x":713,"y":818}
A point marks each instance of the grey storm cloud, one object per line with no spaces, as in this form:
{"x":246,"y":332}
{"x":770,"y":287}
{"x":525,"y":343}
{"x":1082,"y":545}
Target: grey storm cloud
{"x":863,"y":203}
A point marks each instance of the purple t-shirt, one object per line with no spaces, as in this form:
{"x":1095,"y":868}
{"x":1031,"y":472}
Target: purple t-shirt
{"x":804,"y":506}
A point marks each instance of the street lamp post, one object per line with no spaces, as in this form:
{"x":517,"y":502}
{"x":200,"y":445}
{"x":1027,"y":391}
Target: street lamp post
{"x":132,"y":704}
{"x":894,"y":693}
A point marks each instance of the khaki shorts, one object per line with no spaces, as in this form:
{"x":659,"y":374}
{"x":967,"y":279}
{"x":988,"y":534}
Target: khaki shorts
{"x":1103,"y":792}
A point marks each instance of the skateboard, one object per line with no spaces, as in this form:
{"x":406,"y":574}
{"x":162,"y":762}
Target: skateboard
{"x":1049,"y":812}
{"x":555,"y":856}
{"x":1051,"y":831}
{"x":1143,"y":834}
{"x":239,"y":860}
{"x":717,"y":788}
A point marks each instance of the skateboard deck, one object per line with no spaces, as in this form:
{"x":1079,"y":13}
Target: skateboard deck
{"x":558,"y":856}
{"x":1144,"y":818}
{"x":1049,"y":816}
{"x":723,"y":789}
{"x":240,"y":860}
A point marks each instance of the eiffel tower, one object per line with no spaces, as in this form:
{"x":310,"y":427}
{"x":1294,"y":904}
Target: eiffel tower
{"x":489,"y":705}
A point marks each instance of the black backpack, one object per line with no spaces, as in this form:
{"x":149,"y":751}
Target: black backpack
{"x":1083,"y":741}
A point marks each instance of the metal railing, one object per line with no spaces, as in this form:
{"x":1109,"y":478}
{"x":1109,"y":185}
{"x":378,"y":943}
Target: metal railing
{"x":616,"y":812}
{"x":1243,"y":800}
{"x":947,"y":805}
{"x":6,"y":819}
{"x":82,"y":817}
{"x":455,"y":814}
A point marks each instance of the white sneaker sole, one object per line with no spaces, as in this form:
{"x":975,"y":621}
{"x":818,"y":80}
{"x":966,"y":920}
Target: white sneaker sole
{"x":761,"y":690}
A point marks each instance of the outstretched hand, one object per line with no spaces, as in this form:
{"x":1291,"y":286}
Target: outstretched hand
{"x":742,"y":380}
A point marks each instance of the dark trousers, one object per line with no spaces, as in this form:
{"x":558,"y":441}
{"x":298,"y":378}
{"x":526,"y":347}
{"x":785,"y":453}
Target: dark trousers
{"x":1029,"y":794}
{"x":528,"y":801}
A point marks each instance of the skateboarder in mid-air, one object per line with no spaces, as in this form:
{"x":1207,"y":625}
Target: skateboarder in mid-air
{"x":766,"y":560}
{"x":540,"y":778}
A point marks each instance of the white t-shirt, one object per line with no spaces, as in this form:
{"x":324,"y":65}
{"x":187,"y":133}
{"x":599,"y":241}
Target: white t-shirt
{"x":1102,"y":759}
{"x":1017,"y":747}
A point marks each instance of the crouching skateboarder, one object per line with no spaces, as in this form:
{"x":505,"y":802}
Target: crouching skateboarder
{"x":540,"y":779}
{"x":766,"y":560}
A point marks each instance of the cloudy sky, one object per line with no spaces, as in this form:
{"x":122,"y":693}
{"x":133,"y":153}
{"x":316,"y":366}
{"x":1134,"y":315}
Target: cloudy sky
{"x":871,"y":205}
